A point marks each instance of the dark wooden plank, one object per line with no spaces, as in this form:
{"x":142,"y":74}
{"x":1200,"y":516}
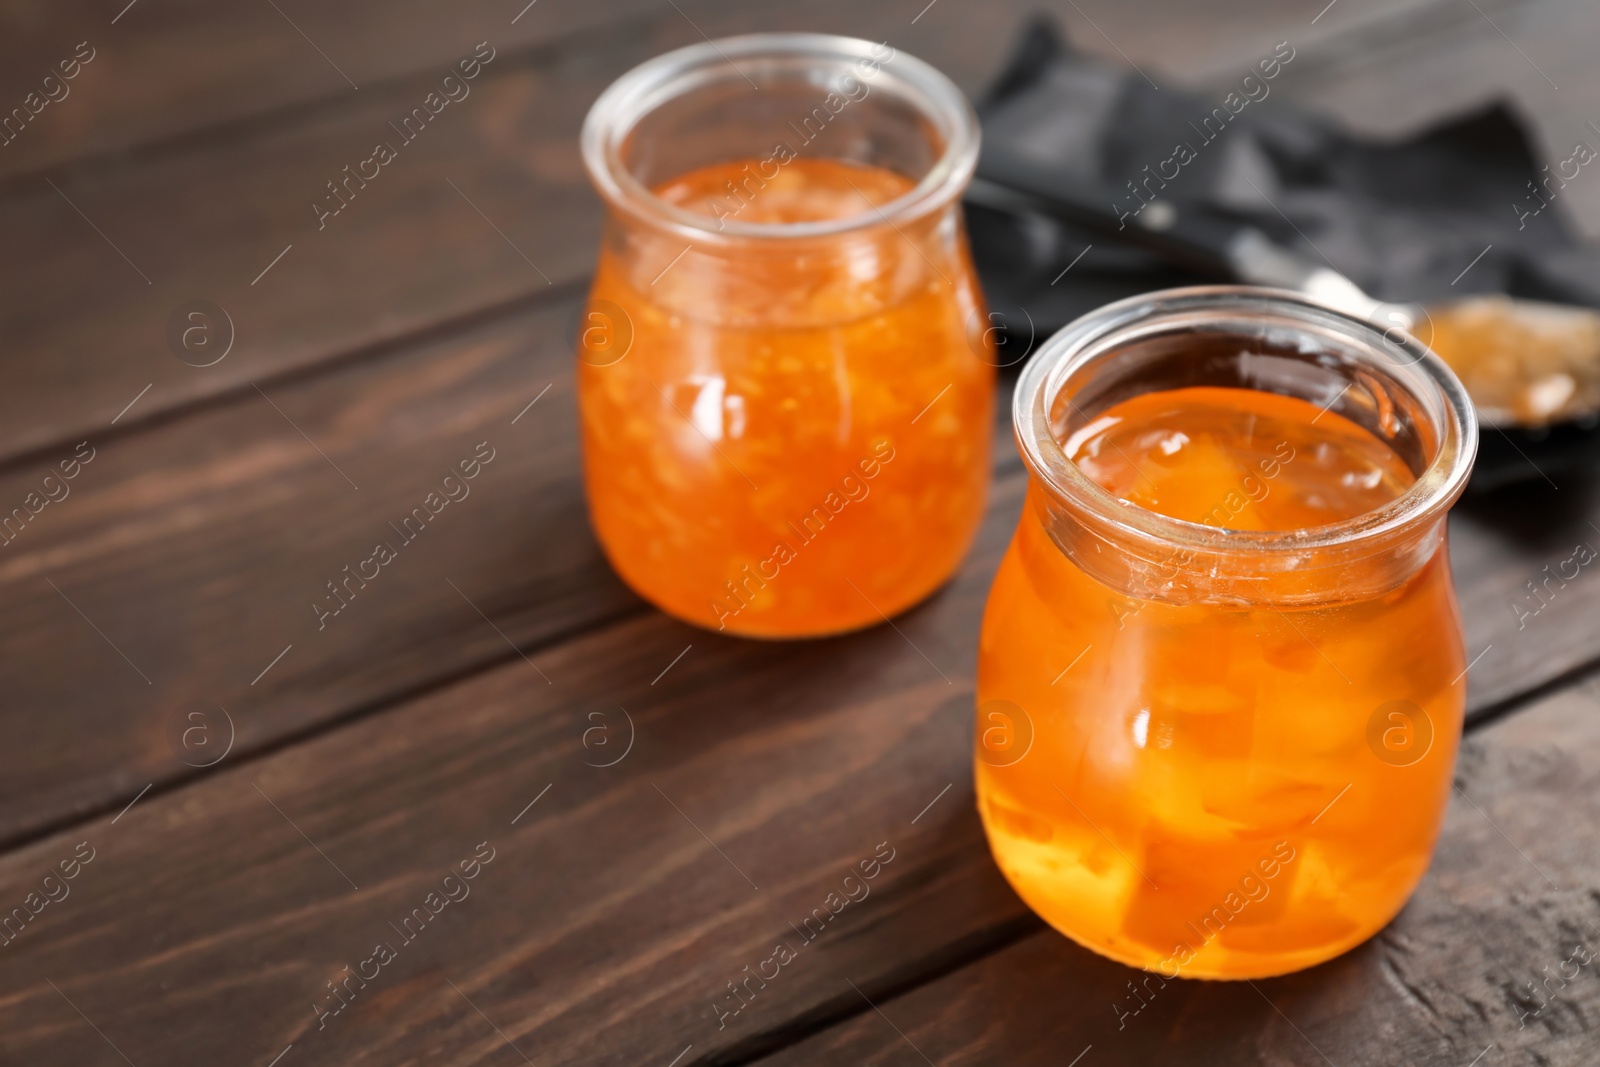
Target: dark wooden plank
{"x":204,"y":217}
{"x":1508,"y":906}
{"x":205,"y":221}
{"x":606,"y":926}
{"x":165,"y":70}
{"x":196,"y":549}
{"x":241,"y":61}
{"x":1526,"y":622}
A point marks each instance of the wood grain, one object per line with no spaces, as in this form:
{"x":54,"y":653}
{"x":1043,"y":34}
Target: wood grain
{"x":196,"y":549}
{"x":183,"y":69}
{"x":1509,"y":899}
{"x":1526,"y":635}
{"x":179,"y":69}
{"x":618,"y":906}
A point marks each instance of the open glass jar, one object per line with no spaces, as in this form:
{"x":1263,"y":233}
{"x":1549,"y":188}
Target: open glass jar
{"x":784,"y":382}
{"x":1221,"y":675}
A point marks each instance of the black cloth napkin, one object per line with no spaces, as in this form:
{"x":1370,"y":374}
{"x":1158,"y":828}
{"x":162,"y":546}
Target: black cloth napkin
{"x":1401,"y":218}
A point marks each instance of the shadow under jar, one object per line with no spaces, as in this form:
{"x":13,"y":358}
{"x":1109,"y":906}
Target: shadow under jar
{"x":1221,"y":675}
{"x":784,"y":384}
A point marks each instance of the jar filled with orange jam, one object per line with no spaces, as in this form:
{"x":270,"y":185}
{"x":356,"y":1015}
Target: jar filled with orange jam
{"x":785,"y":386}
{"x":1221,"y":676}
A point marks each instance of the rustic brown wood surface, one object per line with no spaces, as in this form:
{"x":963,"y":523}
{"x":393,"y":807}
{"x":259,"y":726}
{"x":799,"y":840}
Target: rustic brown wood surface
{"x":348,"y":766}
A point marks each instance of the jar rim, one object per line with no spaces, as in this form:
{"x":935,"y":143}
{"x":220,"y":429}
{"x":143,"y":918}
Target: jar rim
{"x":651,"y":84}
{"x":1420,"y":371}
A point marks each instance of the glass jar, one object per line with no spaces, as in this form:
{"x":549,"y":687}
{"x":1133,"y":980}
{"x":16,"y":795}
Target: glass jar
{"x":784,"y":382}
{"x":1207,"y":746}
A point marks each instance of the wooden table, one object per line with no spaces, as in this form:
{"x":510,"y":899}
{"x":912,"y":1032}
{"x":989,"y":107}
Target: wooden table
{"x":572,"y":821}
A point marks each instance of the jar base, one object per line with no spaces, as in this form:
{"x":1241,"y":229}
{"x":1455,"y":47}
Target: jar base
{"x":1299,"y":961}
{"x":776,"y":634}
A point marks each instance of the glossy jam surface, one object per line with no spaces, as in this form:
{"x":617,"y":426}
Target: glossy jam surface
{"x":1208,"y":789}
{"x":794,"y":439}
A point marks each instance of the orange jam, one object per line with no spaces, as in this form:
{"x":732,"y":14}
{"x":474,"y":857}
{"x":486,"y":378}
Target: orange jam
{"x":1217,"y":788}
{"x":786,"y":436}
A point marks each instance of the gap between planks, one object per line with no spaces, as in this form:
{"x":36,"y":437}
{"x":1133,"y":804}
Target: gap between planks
{"x":360,"y":712}
{"x":367,"y":352}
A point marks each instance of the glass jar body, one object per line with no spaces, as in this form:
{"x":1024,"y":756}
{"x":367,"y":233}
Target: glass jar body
{"x":786,"y":439}
{"x":1218,"y":790}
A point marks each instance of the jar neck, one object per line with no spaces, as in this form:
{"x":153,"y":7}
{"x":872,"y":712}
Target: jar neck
{"x":1186,"y":574}
{"x":1241,"y":337}
{"x":766,"y":283}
